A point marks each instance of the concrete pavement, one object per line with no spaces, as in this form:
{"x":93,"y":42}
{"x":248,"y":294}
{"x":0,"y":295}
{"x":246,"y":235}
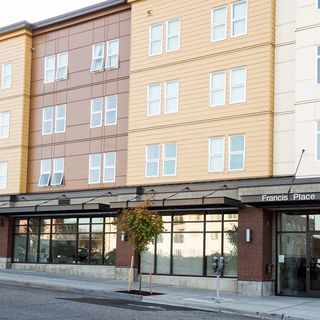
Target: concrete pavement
{"x":265,"y":307}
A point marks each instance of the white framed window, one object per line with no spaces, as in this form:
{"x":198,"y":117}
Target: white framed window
{"x":62,"y":66}
{"x":318,"y":4}
{"x":239,"y":18}
{"x":47,"y":120}
{"x":58,"y":172}
{"x":169,"y":159}
{"x":218,"y":88}
{"x":318,"y":139}
{"x":49,"y":69}
{"x":94,"y":168}
{"x":109,"y":167}
{"x":6,"y":78}
{"x":3,"y":175}
{"x":111,"y":110}
{"x":155,"y":39}
{"x":112,"y":60}
{"x":216,"y":154}
{"x":60,"y":121}
{"x":97,"y":57}
{"x":219,"y":23}
{"x":154,"y":99}
{"x":236,"y":152}
{"x":4,"y":124}
{"x":45,"y":173}
{"x":152,"y":160}
{"x":238,"y":85}
{"x":173,"y":35}
{"x":96,"y":112}
{"x":171,"y":93}
{"x":318,"y":65}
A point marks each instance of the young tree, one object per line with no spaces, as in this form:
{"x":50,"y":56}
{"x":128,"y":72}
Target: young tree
{"x":142,"y":226}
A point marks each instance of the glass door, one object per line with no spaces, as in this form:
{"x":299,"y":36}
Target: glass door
{"x":314,"y":264}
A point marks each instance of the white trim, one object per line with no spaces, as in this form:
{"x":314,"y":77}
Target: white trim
{"x":50,"y":120}
{"x":64,"y":118}
{"x":43,"y":172}
{"x":225,"y":23}
{"x":109,"y":43}
{"x":7,"y":124}
{"x":224,"y":88}
{"x":177,"y":96}
{"x":63,"y":67}
{"x":164,"y":159}
{"x":244,"y":85}
{"x":4,"y":176}
{"x":217,"y":154}
{"x":4,"y":75}
{"x":105,"y":167}
{"x":237,"y":152}
{"x":96,"y":112}
{"x":161,"y":39}
{"x":108,"y":109}
{"x":55,"y":171}
{"x":176,"y":35}
{"x":148,"y":99}
{"x":94,"y":58}
{"x":45,"y":80}
{"x":94,"y":168}
{"x":153,"y":160}
{"x":246,"y":19}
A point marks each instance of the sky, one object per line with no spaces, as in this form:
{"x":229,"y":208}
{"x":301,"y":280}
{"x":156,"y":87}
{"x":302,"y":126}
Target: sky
{"x":13,"y":11}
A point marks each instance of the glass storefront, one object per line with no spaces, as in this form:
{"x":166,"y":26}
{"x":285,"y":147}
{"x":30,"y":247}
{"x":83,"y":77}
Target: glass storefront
{"x":190,"y":241}
{"x":298,"y":260}
{"x":65,"y":240}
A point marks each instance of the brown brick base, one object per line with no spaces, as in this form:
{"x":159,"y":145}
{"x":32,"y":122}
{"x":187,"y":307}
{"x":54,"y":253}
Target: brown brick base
{"x":5,"y":238}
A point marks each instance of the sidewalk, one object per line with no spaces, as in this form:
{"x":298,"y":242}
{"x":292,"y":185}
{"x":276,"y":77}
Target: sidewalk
{"x":266,"y":307}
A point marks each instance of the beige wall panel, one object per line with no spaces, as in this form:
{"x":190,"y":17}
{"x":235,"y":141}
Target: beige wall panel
{"x":195,"y":19}
{"x":192,"y":146}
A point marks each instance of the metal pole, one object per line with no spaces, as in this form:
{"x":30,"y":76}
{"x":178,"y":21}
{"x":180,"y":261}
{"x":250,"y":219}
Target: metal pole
{"x":218,"y":288}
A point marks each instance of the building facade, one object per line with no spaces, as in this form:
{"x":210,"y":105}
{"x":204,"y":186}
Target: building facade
{"x":202,"y":108}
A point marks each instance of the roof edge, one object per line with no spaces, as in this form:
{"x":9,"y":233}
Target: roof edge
{"x":16,"y":26}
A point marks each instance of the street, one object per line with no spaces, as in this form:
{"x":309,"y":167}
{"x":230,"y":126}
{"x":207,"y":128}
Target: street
{"x":24,"y":303}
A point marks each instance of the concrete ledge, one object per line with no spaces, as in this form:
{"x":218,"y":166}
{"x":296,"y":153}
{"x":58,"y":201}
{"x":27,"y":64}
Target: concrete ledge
{"x":5,"y":263}
{"x":226,"y":285}
{"x":101,"y":272}
{"x":256,"y":288}
{"x":123,"y":273}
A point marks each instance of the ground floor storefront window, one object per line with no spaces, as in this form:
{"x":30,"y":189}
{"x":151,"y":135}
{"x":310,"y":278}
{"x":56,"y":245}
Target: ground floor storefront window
{"x":298,"y":260}
{"x":190,"y":241}
{"x":76,"y":240}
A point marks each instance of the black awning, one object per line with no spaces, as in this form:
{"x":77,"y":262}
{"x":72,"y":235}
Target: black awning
{"x":189,"y":203}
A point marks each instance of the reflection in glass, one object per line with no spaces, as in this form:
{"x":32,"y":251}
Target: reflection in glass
{"x":63,"y":248}
{"x":83,"y":248}
{"x":44,"y":248}
{"x":187,"y":257}
{"x":315,"y":262}
{"x":290,"y":222}
{"x":33,"y":247}
{"x":230,"y":253}
{"x":314,"y":222}
{"x":96,"y":248}
{"x":20,"y":248}
{"x":213,"y":248}
{"x":147,"y":260}
{"x":110,"y":241}
{"x":163,"y":253}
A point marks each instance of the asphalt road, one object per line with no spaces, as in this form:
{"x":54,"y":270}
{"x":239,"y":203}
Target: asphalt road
{"x":23,"y":303}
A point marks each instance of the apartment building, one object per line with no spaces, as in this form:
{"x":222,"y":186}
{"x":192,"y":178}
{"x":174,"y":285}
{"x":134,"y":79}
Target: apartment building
{"x":201,"y":107}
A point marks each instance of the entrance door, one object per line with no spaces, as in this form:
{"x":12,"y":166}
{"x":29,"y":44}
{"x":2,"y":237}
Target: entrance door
{"x":313,"y":268}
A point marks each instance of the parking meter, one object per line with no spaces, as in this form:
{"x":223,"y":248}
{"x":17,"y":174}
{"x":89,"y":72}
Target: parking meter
{"x":221,"y":264}
{"x":215,"y":263}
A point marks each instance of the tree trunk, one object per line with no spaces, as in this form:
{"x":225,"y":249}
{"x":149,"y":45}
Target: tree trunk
{"x":140,"y":277}
{"x":130,"y":276}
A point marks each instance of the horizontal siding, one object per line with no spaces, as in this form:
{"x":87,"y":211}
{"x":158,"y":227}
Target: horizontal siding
{"x":195,"y":19}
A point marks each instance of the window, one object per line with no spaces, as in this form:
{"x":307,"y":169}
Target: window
{"x":318,"y":4}
{"x":97,"y":57}
{"x":112,"y":60}
{"x":216,"y":154}
{"x":318,"y":140}
{"x":96,"y":113}
{"x":236,"y":152}
{"x":318,"y":64}
{"x":218,"y":88}
{"x":169,"y":159}
{"x":173,"y":35}
{"x":62,"y":66}
{"x":239,"y":18}
{"x":3,"y":175}
{"x":6,"y":75}
{"x":45,"y":173}
{"x":60,"y":123}
{"x":111,"y":110}
{"x":47,"y":120}
{"x":109,"y":167}
{"x":60,"y":119}
{"x":49,"y":67}
{"x":171,"y":96}
{"x":155,"y":39}
{"x":154,"y":99}
{"x":53,"y":72}
{"x":94,"y":168}
{"x":4,"y":124}
{"x":238,"y":85}
{"x":152,"y":160}
{"x":219,"y":23}
{"x":58,"y":171}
